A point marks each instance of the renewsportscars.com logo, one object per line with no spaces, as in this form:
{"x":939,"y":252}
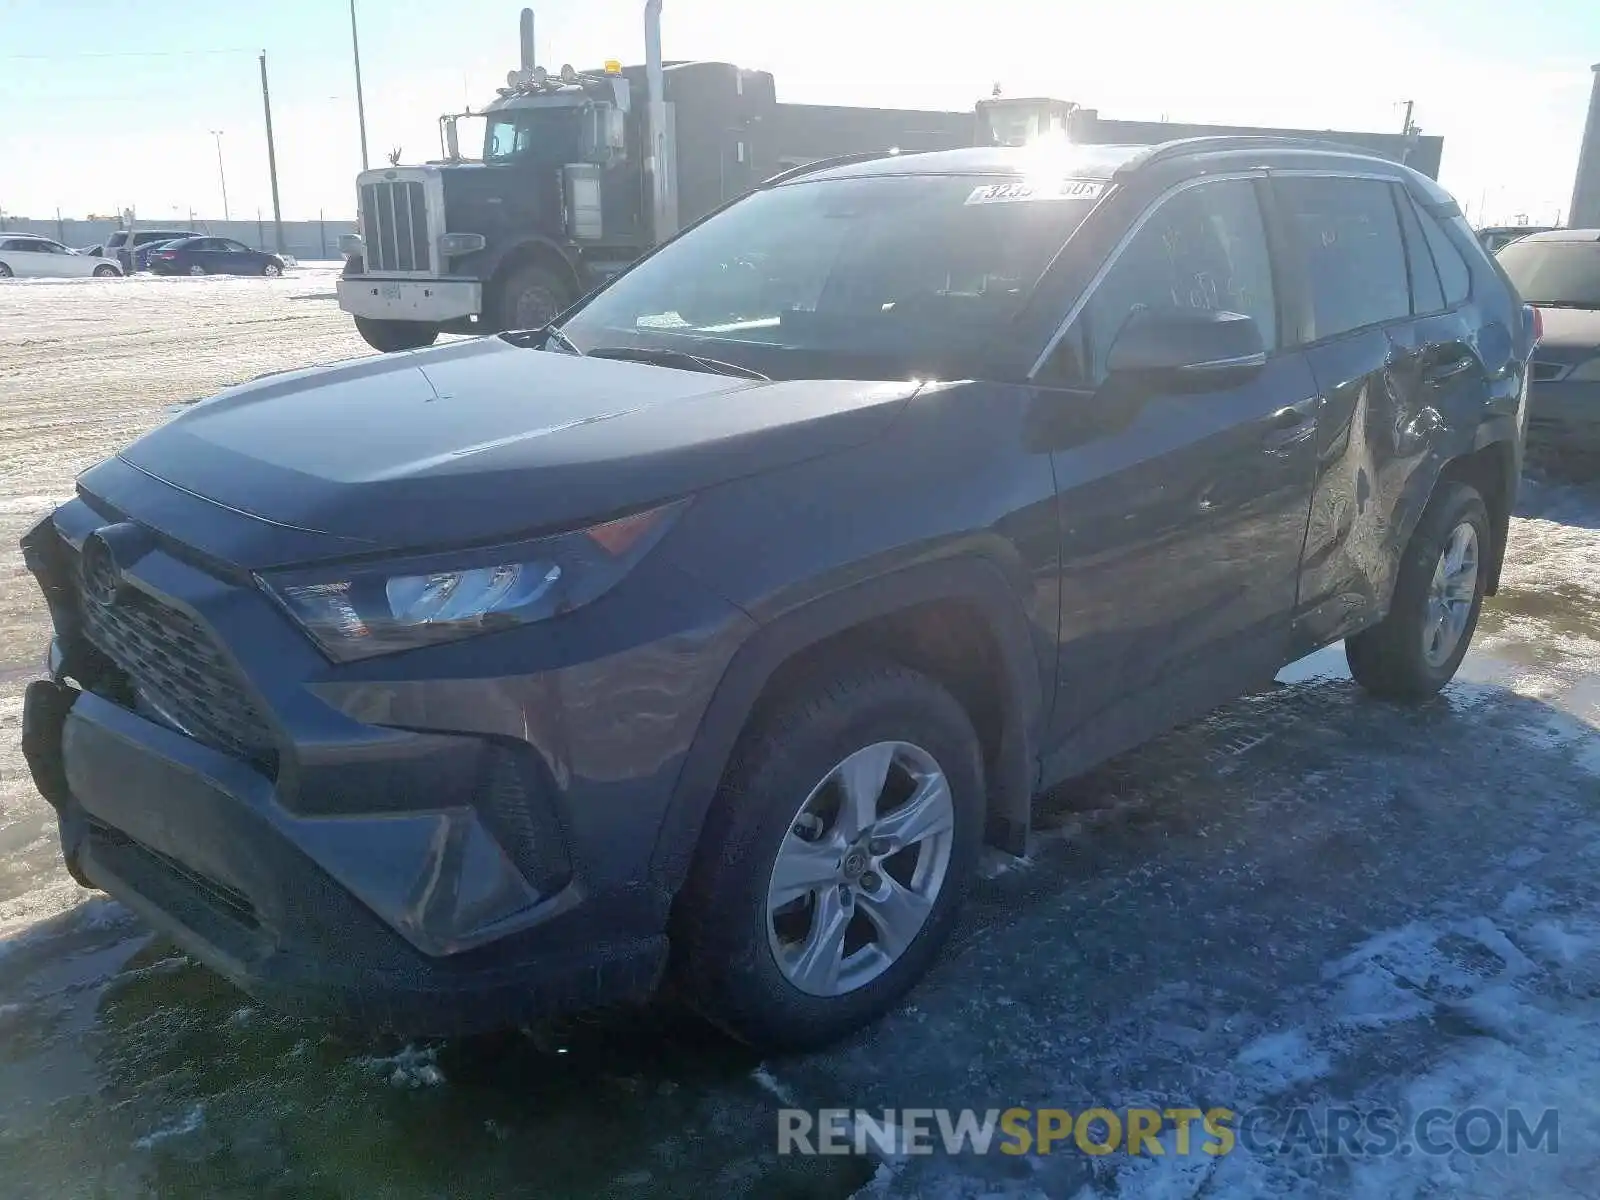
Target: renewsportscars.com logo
{"x":1373,"y":1132}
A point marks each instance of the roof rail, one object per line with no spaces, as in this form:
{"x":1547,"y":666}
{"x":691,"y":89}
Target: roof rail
{"x":1224,"y":142}
{"x":824,"y":164}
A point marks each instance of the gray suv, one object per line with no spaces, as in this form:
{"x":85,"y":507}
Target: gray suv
{"x":706,"y":637}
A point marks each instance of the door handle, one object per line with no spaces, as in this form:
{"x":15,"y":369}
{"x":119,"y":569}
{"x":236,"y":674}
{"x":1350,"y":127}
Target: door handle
{"x":1286,"y":418}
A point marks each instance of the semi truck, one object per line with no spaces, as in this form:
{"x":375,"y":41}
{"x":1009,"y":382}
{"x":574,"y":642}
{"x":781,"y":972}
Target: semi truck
{"x":580,"y":173}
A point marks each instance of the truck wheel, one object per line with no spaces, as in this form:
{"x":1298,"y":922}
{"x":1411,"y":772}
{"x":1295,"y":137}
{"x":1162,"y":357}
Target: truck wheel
{"x":389,"y":336}
{"x":836,"y":855}
{"x":1415,"y":650}
{"x":532,"y":297}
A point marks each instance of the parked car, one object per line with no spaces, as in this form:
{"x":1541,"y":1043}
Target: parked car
{"x":214,"y":256}
{"x":1559,"y":272}
{"x":143,"y":253}
{"x":119,"y":243}
{"x":1494,"y":237}
{"x":24,"y":254}
{"x":712,"y":633}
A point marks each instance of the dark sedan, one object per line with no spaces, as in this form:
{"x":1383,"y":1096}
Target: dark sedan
{"x":214,"y":256}
{"x":1559,"y":272}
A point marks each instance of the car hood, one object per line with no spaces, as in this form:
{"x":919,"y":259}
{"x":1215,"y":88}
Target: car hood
{"x":482,"y":439}
{"x":1571,"y":335}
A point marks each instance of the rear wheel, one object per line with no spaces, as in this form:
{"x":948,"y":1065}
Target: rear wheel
{"x":390,"y":336}
{"x":532,"y":297}
{"x":105,"y":271}
{"x":197,"y":269}
{"x":1416,"y":649}
{"x":837,"y":853}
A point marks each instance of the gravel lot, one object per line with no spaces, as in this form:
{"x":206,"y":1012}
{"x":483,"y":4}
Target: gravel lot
{"x":1306,"y":900}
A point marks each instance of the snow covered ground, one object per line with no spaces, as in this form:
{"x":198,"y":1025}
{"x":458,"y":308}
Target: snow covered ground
{"x":1308,"y":902}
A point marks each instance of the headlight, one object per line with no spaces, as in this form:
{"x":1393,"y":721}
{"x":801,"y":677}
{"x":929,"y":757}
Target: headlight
{"x":360,"y":612}
{"x":1586,"y":372}
{"x":460,"y":243}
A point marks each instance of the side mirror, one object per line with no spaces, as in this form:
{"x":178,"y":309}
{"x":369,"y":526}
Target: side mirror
{"x":1187,"y":349}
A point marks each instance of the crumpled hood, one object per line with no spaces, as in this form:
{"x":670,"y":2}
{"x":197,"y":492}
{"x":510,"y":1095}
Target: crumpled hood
{"x":1571,"y":335}
{"x":482,"y":439}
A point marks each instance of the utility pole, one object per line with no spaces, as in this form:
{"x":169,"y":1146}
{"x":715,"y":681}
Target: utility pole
{"x":272,"y":159}
{"x":222,"y":176}
{"x":1408,"y":129}
{"x":361,"y":106}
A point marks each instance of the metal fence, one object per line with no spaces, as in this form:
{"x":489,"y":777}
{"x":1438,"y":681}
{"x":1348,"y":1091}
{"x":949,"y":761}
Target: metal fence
{"x":305,"y":240}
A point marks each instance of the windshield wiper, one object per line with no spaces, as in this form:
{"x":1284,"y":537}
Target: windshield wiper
{"x":541,"y":338}
{"x":680,"y":359}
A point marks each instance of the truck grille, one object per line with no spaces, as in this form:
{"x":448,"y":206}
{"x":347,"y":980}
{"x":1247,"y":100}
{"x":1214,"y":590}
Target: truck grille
{"x":176,"y":668}
{"x":394,"y":226}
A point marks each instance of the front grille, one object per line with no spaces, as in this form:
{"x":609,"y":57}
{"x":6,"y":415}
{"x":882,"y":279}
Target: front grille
{"x":120,"y":852}
{"x":394,"y":226}
{"x":1544,"y":372}
{"x":177,"y":670}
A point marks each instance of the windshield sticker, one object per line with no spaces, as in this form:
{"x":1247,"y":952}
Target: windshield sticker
{"x":1018,"y":191}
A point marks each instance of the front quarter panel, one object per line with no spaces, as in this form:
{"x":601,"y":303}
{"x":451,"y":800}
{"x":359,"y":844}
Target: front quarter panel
{"x":948,"y":504}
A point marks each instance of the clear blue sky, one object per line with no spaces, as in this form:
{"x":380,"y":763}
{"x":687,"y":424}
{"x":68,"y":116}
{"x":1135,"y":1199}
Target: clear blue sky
{"x":88,"y":124}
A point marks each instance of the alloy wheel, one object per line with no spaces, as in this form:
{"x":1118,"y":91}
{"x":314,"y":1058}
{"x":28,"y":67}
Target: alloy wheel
{"x":1451,"y":595}
{"x":860,"y":868}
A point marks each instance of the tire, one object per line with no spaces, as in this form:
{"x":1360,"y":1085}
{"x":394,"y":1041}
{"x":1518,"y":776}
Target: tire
{"x":106,"y":271}
{"x":271,"y":270}
{"x":388,"y":337}
{"x":726,"y":941}
{"x":5,"y":271}
{"x":532,"y":297}
{"x":1399,"y":658}
{"x":197,"y":269}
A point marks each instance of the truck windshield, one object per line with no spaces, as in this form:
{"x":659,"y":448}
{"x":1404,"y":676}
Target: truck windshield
{"x":542,"y":132}
{"x":875,"y":277}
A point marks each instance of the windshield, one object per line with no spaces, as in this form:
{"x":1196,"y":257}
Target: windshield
{"x":546,"y":133}
{"x":1554,"y":272}
{"x":872,"y":278}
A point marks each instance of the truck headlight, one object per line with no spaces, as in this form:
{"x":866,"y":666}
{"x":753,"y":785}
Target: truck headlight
{"x":361,"y":612}
{"x":460,"y":243}
{"x":351,"y":243}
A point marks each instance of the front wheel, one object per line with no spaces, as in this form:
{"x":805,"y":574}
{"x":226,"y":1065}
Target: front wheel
{"x":835,"y":858}
{"x":271,"y":270}
{"x":390,"y":336}
{"x":5,"y":271}
{"x":532,"y":297}
{"x":106,"y":271}
{"x":1416,"y":649}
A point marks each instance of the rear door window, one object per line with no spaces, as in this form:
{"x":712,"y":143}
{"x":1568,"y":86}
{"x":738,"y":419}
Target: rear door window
{"x":1348,"y":235}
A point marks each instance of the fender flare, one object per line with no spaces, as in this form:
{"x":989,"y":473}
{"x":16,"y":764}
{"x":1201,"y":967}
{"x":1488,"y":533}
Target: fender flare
{"x":502,"y":263}
{"x":969,"y":579}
